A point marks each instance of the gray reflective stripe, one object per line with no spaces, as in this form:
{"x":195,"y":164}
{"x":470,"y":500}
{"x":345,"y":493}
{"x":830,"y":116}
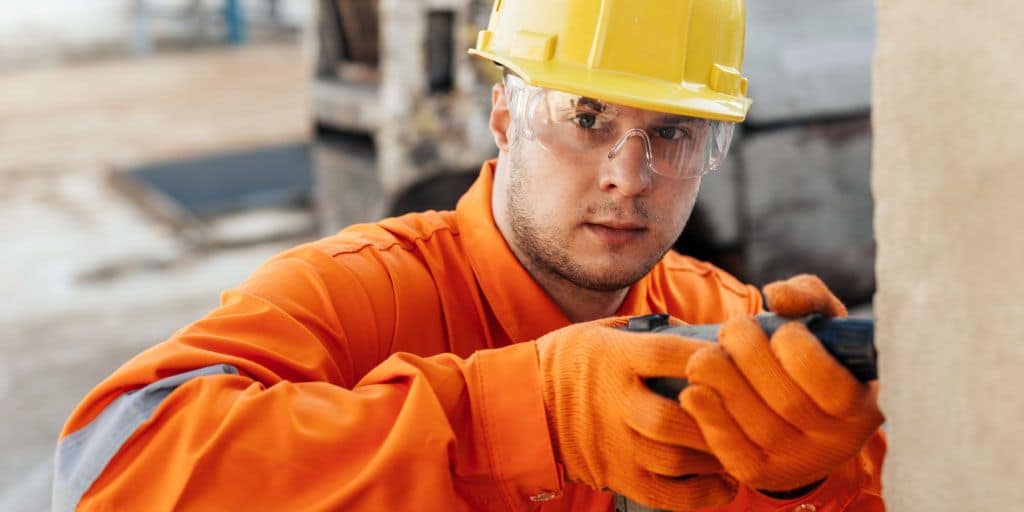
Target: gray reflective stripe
{"x":83,"y":455}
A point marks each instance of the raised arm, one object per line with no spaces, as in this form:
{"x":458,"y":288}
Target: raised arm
{"x":258,"y":406}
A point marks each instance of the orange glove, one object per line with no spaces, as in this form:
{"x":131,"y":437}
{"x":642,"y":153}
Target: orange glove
{"x":802,"y":295}
{"x":785,"y":414}
{"x":611,"y":432}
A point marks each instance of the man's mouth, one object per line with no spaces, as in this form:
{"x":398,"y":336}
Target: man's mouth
{"x":615,"y":224}
{"x":615,"y":232}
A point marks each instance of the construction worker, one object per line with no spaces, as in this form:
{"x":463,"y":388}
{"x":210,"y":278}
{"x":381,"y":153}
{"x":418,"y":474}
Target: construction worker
{"x":471,"y":359}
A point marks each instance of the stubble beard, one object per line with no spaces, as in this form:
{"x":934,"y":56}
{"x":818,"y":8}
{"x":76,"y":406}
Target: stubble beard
{"x":545,"y":249}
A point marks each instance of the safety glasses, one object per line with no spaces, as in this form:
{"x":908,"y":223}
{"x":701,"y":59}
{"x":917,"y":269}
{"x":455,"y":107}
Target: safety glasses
{"x":584,"y":130}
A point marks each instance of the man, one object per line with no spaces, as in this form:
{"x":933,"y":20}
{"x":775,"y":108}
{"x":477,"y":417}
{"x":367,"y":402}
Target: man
{"x":466,"y":360}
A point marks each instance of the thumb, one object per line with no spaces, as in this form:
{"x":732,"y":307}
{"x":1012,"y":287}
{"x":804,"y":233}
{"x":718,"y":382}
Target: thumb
{"x":802,"y":295}
{"x":661,"y":355}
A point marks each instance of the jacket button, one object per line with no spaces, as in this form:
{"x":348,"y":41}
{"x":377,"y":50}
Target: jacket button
{"x":805,"y":507}
{"x":543,"y":496}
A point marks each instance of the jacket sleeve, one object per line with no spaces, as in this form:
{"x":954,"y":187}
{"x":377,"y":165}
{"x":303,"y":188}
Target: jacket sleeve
{"x":257,"y":407}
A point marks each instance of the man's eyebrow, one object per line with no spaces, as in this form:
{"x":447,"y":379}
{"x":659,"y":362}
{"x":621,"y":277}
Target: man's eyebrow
{"x":594,"y":103}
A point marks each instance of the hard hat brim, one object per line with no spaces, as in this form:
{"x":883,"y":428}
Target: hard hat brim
{"x":626,"y":89}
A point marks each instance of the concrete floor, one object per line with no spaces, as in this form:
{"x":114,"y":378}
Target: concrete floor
{"x":91,"y":280}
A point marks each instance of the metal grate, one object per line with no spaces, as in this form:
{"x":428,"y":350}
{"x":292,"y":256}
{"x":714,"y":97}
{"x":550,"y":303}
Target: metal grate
{"x":198,"y":189}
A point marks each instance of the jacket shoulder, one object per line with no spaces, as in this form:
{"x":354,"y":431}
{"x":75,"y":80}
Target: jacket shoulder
{"x":698,"y":291}
{"x":363,"y":280}
{"x":682,"y":266}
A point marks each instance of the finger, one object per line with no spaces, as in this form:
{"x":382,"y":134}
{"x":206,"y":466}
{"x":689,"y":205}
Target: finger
{"x":687,"y":493}
{"x":832,"y":387}
{"x":738,"y":454}
{"x":747,"y":345}
{"x":802,"y":295}
{"x":669,"y":460}
{"x":661,"y":355}
{"x":713,"y":368}
{"x":662,"y":419}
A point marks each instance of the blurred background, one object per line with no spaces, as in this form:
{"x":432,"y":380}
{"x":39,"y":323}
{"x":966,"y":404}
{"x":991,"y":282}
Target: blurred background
{"x":154,"y":153}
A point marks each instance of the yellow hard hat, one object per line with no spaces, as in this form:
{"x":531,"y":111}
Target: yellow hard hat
{"x":676,"y":56}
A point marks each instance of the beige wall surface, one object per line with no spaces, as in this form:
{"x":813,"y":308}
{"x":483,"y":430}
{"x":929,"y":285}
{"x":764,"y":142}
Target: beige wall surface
{"x":948,"y":179}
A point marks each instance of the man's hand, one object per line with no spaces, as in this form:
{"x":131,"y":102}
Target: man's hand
{"x":611,"y":432}
{"x":783,"y":414}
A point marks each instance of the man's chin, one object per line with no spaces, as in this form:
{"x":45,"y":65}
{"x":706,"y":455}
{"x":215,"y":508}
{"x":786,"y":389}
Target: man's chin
{"x":606,"y":278}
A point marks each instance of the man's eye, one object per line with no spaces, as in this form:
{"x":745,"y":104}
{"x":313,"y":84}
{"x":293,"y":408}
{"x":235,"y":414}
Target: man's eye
{"x":585,"y":120}
{"x":671,"y":132}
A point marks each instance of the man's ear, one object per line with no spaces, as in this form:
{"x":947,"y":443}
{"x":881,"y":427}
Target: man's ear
{"x":501,"y":118}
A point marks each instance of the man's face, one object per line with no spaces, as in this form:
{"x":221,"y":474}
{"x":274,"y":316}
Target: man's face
{"x":600,"y":226}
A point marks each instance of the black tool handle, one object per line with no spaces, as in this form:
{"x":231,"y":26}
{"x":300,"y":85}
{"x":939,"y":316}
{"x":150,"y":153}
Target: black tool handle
{"x":850,"y":340}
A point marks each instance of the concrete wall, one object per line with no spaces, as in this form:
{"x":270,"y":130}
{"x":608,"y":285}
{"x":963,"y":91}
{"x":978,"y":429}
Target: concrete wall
{"x":948,"y":180}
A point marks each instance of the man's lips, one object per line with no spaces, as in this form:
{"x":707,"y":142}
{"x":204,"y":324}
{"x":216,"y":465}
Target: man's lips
{"x":612,"y":232}
{"x":614,"y":224}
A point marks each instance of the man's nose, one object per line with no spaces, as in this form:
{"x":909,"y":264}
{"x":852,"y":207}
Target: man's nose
{"x":626,"y":168}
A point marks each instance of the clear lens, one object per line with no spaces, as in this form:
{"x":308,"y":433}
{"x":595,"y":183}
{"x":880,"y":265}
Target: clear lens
{"x":584,"y":129}
{"x":720,"y":138}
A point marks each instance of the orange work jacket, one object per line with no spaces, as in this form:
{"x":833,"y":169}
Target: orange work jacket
{"x":376,"y":369}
